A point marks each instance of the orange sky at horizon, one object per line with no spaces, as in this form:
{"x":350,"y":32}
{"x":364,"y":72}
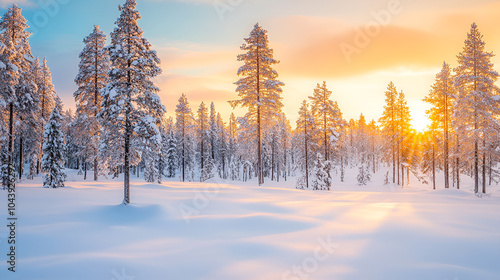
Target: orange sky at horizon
{"x":409,"y":51}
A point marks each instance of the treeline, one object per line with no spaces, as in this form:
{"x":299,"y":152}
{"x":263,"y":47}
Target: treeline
{"x":120,"y":126}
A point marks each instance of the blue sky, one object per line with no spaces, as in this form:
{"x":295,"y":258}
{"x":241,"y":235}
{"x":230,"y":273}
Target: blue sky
{"x":198,"y":46}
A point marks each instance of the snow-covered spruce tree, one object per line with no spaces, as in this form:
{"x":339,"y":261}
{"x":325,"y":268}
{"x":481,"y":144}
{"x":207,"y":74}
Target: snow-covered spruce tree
{"x":442,"y":98}
{"x":389,"y":125}
{"x":222,"y":164}
{"x":259,"y":89}
{"x":185,"y":126}
{"x":203,"y":131}
{"x":327,"y":117}
{"x":233,"y":145}
{"x":33,"y":124}
{"x":53,"y":152}
{"x":322,"y":179}
{"x":305,"y":124}
{"x":130,"y":99}
{"x":91,"y":79}
{"x":171,"y":155}
{"x":403,"y":129}
{"x":429,"y":152}
{"x":476,"y":109}
{"x":364,"y":175}
{"x":17,"y":86}
{"x":33,"y":131}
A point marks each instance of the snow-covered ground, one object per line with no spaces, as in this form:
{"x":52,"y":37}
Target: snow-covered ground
{"x":223,"y":230}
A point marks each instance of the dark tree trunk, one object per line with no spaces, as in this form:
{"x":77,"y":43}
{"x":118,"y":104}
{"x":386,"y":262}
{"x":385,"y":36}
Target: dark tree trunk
{"x":260,"y":168}
{"x":307,"y":154}
{"x":21,"y":164}
{"x":96,"y":169}
{"x":85,"y":170}
{"x":433,"y":167}
{"x":10,"y":168}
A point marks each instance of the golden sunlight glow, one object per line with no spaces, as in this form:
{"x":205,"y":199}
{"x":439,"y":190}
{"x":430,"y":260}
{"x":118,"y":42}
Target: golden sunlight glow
{"x":420,"y":122}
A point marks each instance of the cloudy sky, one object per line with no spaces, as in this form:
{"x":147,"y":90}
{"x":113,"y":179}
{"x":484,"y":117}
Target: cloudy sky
{"x":356,"y":46}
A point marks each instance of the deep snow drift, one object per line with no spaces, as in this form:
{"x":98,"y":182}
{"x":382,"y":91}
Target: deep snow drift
{"x":226,"y":231}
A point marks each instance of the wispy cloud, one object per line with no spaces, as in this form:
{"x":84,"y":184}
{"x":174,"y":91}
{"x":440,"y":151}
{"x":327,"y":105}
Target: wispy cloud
{"x":8,"y":3}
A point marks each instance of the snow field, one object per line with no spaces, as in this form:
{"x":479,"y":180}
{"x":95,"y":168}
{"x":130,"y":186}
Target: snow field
{"x":226,"y":231}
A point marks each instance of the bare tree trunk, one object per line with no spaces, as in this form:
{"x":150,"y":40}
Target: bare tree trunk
{"x":446,"y":144}
{"x":10,"y":168}
{"x":325,"y":131}
{"x":85,"y":170}
{"x":402,"y":176}
{"x":21,"y":163}
{"x":433,"y":167}
{"x":458,"y":165}
{"x":128,"y":134}
{"x":398,"y":160}
{"x":307,"y":154}
{"x":126,"y":177}
{"x":393,"y":165}
{"x":484,"y":172}
{"x":96,"y":169}
{"x":260,"y":169}
{"x":490,"y":170}
{"x":476,"y":167}
{"x":272,"y":160}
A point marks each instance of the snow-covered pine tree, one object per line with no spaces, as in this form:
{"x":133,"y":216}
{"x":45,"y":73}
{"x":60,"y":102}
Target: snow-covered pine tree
{"x":476,"y":109}
{"x":364,"y":175}
{"x":322,"y":180}
{"x":305,"y":124}
{"x":233,"y":145}
{"x":285,"y":132}
{"x":442,"y":97}
{"x":389,"y":125}
{"x":259,"y":89}
{"x":327,"y":117}
{"x":171,"y":155}
{"x":185,"y":126}
{"x":222,"y":143}
{"x":403,"y":132}
{"x":16,"y":78}
{"x":429,"y":152}
{"x":213,"y":135}
{"x":53,"y":152}
{"x":130,"y":99}
{"x":204,"y":139}
{"x":91,"y":79}
{"x":374,"y":141}
{"x":33,"y":129}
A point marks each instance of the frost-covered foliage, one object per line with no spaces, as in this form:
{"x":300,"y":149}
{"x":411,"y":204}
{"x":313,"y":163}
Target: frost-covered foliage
{"x":304,"y":142}
{"x":259,"y":90}
{"x":53,"y":152}
{"x":364,"y":175}
{"x":18,"y":98}
{"x":322,"y":177}
{"x":170,"y":155}
{"x":131,"y":109}
{"x":442,"y":97}
{"x":91,"y":80}
{"x":476,"y":109}
{"x":185,"y":138}
{"x":327,"y":119}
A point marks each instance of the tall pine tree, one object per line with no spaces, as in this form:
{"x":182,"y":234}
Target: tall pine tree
{"x":259,"y":89}
{"x":53,"y":152}
{"x":476,"y":109}
{"x":442,"y":98}
{"x":130,"y":99}
{"x":91,"y":79}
